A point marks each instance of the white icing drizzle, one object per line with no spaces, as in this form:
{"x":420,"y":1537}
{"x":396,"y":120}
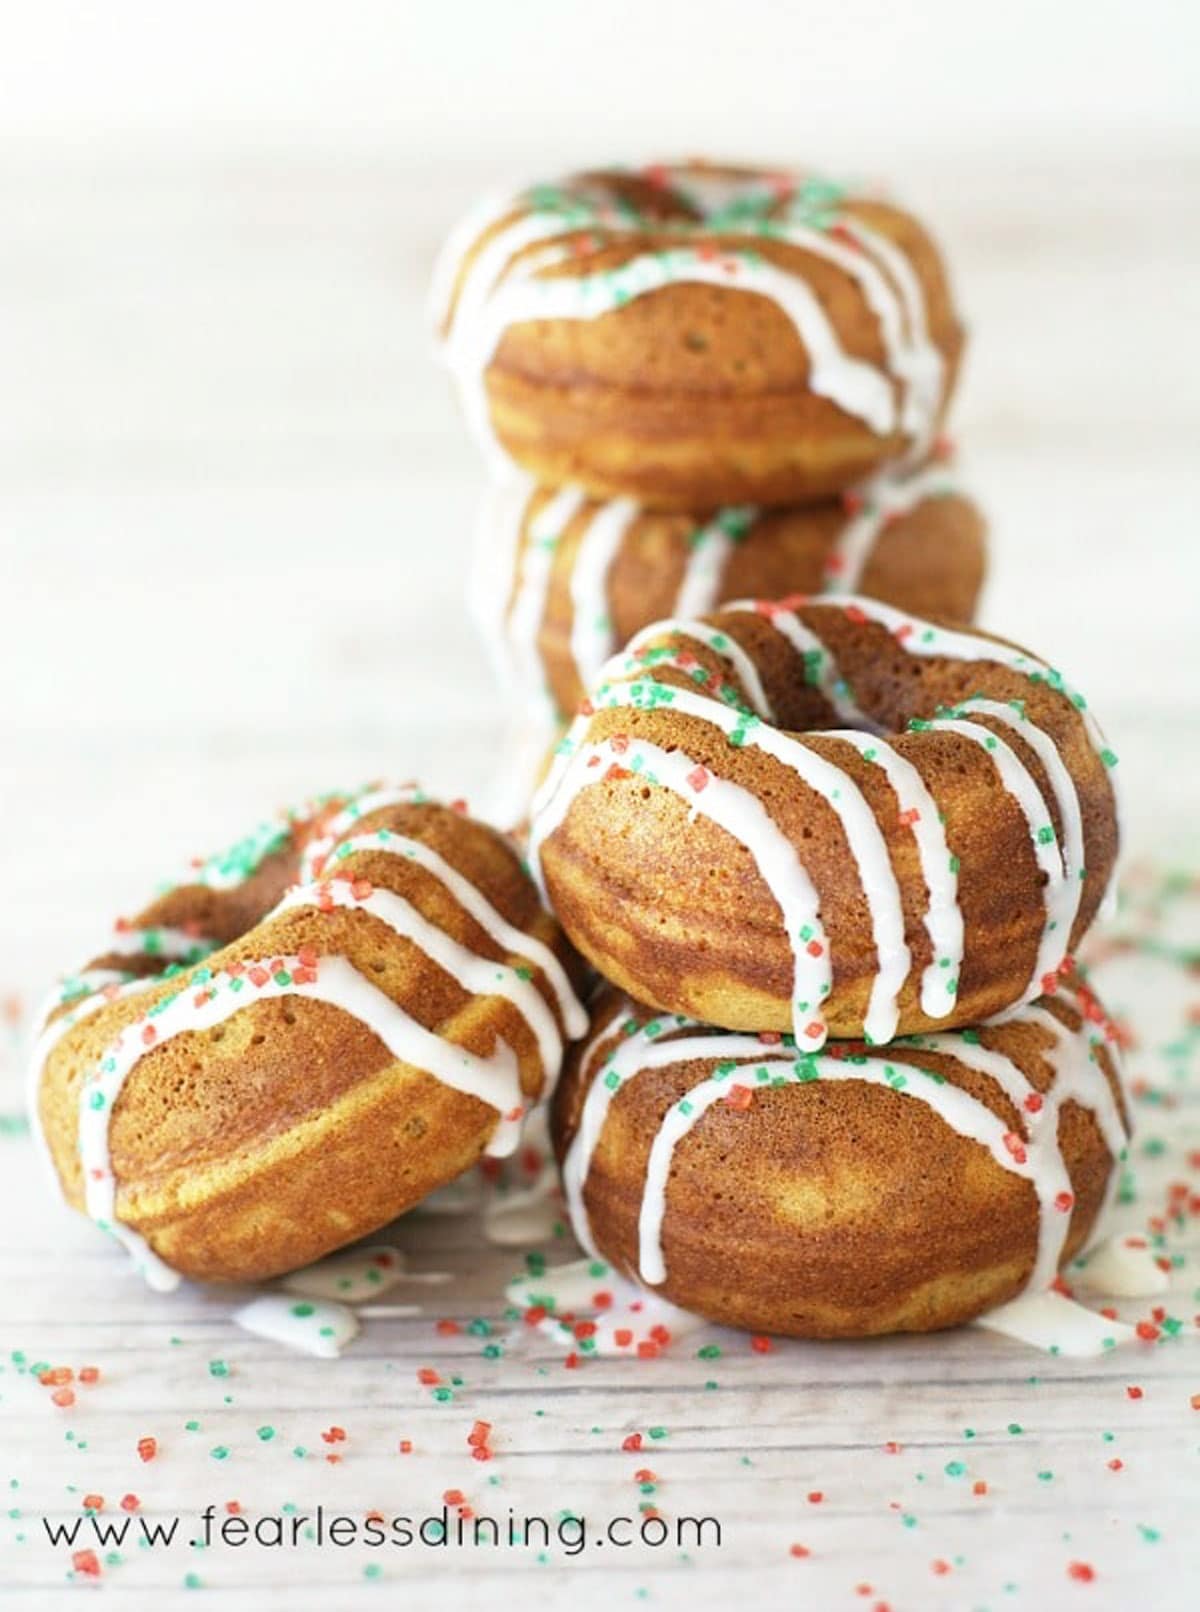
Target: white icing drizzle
{"x":202,"y":1005}
{"x":854,"y":385}
{"x":747,"y":1060}
{"x":1055,"y":1323}
{"x":943,"y":915}
{"x":592,"y":638}
{"x":709,"y":548}
{"x":1121,"y":1267}
{"x":743,"y":816}
{"x":352,"y":1276}
{"x":1061,"y":897}
{"x":529,"y":604}
{"x":171,"y":945}
{"x":868,"y":849}
{"x":896,"y":300}
{"x":481,"y":976}
{"x":314,"y":1327}
{"x":715,"y":638}
{"x":820,"y":667}
{"x":875,"y":506}
{"x":513,"y":940}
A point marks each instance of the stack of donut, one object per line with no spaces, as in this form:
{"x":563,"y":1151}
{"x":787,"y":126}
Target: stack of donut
{"x":830,"y":853}
{"x":695,"y":384}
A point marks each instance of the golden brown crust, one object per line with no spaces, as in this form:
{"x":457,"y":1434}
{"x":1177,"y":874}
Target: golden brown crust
{"x":676,"y":910}
{"x":821,"y":1209}
{"x":928,"y":559}
{"x":697,"y":394}
{"x":289,"y":1130}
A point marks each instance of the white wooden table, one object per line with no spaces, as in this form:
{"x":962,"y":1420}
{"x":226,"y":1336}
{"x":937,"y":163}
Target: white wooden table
{"x":234,"y":499}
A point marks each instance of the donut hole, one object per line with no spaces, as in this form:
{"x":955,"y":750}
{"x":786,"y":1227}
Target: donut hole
{"x":217,"y":1035}
{"x":378,"y":965}
{"x":415,"y":1127}
{"x":695,"y":341}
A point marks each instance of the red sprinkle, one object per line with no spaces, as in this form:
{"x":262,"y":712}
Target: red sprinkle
{"x":428,"y":1376}
{"x":800,"y":1551}
{"x":761,"y":1346}
{"x":815,"y":1497}
{"x":62,"y":1397}
{"x":634,"y":1441}
{"x":93,"y":1502}
{"x":89,"y":1374}
{"x":147,"y":1448}
{"x":130,"y":1502}
{"x":406,"y":1446}
{"x":1083,"y":1571}
{"x":1147,"y":1331}
{"x":86,"y":1561}
{"x":1134,"y":1392}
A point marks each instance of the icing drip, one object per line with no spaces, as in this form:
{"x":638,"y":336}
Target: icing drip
{"x":709,"y":548}
{"x":317,"y":1327}
{"x":1061,"y":890}
{"x":481,"y":976}
{"x":529,"y":604}
{"x":592,"y":638}
{"x":943,"y":916}
{"x":872,"y":508}
{"x":746,"y":1060}
{"x":743,"y":816}
{"x":1057,"y":1324}
{"x":352,"y":1277}
{"x":638,"y":659}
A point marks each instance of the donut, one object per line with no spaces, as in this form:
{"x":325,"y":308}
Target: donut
{"x":698,"y":335}
{"x":828,"y":817}
{"x":303,"y":1038}
{"x":561,"y":581}
{"x":845,"y":1193}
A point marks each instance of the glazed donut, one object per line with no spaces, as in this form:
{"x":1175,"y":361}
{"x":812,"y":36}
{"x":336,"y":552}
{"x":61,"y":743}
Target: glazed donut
{"x":845,"y":1193}
{"x":927,"y":861}
{"x":562,"y":581}
{"x":382,"y":998}
{"x":698,"y":335}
